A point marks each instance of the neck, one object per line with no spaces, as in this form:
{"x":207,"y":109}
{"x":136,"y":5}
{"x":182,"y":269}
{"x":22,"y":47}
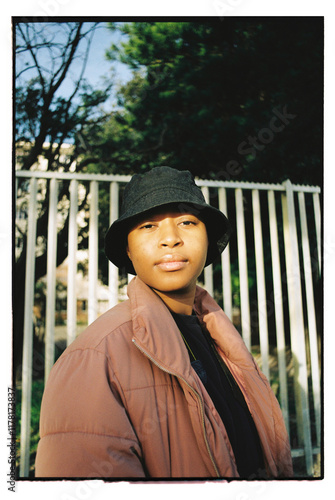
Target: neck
{"x":178,"y":303}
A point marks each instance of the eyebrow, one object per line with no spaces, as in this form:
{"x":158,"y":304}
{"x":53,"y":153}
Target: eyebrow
{"x":154,"y":217}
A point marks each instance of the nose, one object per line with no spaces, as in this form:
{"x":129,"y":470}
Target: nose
{"x":169,"y":235}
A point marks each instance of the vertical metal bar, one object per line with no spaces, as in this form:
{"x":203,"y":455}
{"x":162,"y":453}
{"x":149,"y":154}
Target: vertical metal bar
{"x":208,"y":271}
{"x":51,"y":279}
{"x":16,"y":188}
{"x":113,"y":272}
{"x":208,"y":278}
{"x":93,"y":254}
{"x":225,"y":263}
{"x":27,"y":356}
{"x":243,"y":269}
{"x":72,"y":264}
{"x":15,"y":205}
{"x":313,"y":342}
{"x":260,"y":278}
{"x":278,"y":308}
{"x":297,"y":325}
{"x":317,"y":215}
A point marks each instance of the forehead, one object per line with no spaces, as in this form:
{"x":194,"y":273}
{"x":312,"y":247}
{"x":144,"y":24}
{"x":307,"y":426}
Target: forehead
{"x":171,"y":210}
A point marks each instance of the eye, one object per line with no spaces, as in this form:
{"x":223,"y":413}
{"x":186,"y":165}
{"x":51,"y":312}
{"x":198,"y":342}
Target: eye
{"x":188,"y":223}
{"x":148,"y":225}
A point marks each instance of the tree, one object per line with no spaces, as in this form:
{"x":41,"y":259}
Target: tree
{"x":46,"y":55}
{"x":231,"y":99}
{"x":235,"y":99}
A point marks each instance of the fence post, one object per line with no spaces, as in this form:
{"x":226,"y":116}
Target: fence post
{"x":51,"y":280}
{"x":225,"y":263}
{"x":313,"y":342}
{"x":278,"y":308}
{"x":243,"y":269}
{"x":317,"y":218}
{"x":27,"y":356}
{"x":297,"y":325}
{"x":93,"y":253}
{"x":72,"y":264}
{"x":113,"y":273}
{"x":261,"y":292}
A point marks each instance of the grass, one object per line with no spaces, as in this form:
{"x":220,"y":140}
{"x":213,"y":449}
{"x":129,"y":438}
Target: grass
{"x":36,"y":398}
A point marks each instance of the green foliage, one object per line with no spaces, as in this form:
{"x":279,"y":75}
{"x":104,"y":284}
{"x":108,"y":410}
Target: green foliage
{"x":36,"y":398}
{"x":203,"y":90}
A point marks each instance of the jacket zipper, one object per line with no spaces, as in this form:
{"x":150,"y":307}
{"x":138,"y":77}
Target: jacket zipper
{"x":194,"y":392}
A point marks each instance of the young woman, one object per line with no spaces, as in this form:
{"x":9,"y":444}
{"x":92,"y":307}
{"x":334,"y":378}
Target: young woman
{"x":162,"y":385}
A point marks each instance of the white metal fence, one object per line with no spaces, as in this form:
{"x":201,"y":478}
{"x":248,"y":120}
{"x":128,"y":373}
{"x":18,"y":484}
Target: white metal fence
{"x":266,"y":284}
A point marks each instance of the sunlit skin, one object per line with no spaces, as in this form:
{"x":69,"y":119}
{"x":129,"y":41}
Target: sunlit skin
{"x":168,"y":251}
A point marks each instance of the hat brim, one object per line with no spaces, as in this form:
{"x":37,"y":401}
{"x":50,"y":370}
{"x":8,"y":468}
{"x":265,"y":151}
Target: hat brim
{"x":217,"y":225}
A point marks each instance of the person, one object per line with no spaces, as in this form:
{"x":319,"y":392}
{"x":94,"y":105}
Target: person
{"x":162,"y":385}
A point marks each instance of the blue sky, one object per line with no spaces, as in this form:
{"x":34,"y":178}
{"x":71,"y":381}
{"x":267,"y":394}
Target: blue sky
{"x":98,"y":67}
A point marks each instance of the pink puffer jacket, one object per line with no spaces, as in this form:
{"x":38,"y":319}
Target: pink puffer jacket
{"x":124,"y":402}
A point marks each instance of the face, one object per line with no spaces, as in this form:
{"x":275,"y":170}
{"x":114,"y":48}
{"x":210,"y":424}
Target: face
{"x":168,"y":250}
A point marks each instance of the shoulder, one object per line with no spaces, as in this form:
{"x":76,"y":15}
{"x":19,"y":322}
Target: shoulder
{"x":110,"y":326}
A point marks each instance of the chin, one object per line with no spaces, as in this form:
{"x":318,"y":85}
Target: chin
{"x":179,"y":287}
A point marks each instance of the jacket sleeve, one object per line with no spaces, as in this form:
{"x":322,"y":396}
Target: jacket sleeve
{"x":84,"y":427}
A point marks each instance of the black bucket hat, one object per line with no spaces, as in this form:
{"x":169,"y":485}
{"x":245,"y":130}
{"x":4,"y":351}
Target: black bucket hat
{"x":156,"y":188}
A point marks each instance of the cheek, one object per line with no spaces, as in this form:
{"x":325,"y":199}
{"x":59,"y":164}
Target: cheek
{"x":202,"y":245}
{"x":133,"y":245}
{"x":138,"y":252}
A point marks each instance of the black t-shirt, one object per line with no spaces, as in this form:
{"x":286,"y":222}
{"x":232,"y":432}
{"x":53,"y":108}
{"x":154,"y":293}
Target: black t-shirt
{"x":225,"y":394}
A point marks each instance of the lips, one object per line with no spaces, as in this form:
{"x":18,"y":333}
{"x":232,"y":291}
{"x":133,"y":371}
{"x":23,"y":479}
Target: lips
{"x":171,"y":263}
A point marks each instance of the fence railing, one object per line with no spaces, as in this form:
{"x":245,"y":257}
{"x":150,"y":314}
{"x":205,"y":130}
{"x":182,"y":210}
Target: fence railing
{"x":266,"y":284}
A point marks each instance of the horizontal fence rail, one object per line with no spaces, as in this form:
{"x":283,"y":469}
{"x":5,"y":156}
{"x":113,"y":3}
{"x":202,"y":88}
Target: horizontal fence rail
{"x":266,"y":282}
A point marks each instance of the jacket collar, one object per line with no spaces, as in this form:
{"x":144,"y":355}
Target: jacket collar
{"x":221,"y":329}
{"x":155,"y":330}
{"x":148,"y":310}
